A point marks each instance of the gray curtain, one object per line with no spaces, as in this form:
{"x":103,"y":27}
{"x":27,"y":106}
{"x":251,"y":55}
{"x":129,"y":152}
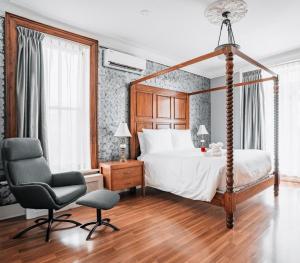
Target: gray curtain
{"x":252,"y":112}
{"x":30,"y":92}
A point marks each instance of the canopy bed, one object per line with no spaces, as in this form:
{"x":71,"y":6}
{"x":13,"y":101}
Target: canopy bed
{"x":157,"y":108}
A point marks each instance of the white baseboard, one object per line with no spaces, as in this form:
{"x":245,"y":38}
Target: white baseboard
{"x":93,"y":182}
{"x":10,"y":211}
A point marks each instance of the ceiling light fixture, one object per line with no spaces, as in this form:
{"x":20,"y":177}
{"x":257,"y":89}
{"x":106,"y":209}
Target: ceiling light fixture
{"x":145,"y":12}
{"x":226,"y":12}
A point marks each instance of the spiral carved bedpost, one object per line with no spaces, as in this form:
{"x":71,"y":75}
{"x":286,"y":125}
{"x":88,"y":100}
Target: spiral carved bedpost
{"x":276,"y":138}
{"x":229,"y":200}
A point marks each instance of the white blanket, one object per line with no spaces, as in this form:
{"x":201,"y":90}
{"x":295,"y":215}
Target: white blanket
{"x":196,"y":175}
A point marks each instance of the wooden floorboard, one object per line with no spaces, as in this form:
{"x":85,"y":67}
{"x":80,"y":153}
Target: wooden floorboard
{"x":165,"y":228}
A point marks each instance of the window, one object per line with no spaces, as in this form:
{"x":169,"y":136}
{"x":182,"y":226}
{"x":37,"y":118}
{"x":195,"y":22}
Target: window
{"x":66,"y":69}
{"x":289,"y":112}
{"x":80,"y":145}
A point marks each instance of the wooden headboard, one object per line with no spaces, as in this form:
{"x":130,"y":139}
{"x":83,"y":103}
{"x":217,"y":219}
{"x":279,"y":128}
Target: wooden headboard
{"x":156,"y":108}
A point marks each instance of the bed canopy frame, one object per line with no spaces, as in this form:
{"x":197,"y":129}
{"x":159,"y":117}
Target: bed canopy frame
{"x":230,"y":198}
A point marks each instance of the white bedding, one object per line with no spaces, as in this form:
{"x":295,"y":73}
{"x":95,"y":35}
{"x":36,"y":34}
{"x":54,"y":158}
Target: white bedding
{"x":198,"y":176}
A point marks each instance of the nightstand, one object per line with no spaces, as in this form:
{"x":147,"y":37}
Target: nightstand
{"x":121,"y":175}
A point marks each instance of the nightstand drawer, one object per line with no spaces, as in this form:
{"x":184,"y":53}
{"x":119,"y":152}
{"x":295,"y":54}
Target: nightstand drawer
{"x":130,"y":171}
{"x":125,"y":178}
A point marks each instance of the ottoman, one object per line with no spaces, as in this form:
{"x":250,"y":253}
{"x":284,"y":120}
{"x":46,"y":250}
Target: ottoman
{"x":101,"y":200}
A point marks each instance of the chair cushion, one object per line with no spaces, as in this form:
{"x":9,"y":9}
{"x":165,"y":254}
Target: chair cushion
{"x":68,"y":194}
{"x":100,"y":199}
{"x":21,"y":148}
{"x":29,"y":171}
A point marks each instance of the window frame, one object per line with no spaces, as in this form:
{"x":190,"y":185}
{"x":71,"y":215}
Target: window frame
{"x":11,"y":50}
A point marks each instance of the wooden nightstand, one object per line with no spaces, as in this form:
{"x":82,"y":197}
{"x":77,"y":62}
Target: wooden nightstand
{"x":121,"y":175}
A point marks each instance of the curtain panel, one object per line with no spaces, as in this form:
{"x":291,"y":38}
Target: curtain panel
{"x":252,"y":113}
{"x":67,"y":104}
{"x":30,"y":92}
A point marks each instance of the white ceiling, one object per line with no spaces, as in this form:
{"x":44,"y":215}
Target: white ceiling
{"x":177,"y":29}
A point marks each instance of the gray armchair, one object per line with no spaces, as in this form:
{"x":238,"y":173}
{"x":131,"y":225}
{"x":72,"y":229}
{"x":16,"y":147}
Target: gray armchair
{"x":30,"y":180}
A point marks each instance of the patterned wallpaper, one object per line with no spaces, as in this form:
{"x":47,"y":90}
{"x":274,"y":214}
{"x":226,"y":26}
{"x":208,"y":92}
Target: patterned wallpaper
{"x":5,"y":195}
{"x":113,"y":107}
{"x":114,"y":101}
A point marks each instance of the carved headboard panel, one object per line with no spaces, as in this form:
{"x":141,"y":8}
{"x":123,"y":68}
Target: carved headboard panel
{"x":156,"y":108}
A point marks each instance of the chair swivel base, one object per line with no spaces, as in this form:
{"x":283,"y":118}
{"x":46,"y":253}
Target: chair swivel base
{"x":99,"y":222}
{"x":50,"y":220}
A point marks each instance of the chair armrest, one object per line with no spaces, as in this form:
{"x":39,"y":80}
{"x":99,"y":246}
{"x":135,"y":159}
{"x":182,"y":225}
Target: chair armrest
{"x":68,"y":178}
{"x":35,"y":195}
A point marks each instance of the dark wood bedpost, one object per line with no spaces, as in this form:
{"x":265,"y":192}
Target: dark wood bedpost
{"x":230,"y":203}
{"x":276,"y":131}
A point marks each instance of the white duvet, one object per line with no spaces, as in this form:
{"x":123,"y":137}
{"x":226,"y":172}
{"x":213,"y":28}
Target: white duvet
{"x":198,"y":176}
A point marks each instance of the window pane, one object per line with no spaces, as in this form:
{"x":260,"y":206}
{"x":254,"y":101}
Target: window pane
{"x":67,"y":89}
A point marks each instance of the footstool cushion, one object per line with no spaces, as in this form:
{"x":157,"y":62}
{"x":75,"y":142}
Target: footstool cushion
{"x":99,"y":199}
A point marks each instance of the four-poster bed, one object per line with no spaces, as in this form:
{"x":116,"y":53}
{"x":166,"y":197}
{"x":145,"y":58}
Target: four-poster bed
{"x":148,"y":115}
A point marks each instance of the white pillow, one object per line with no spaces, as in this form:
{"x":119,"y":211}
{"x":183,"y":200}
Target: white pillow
{"x":156,"y":131}
{"x":182,"y":139}
{"x":142,"y":143}
{"x":157,"y":140}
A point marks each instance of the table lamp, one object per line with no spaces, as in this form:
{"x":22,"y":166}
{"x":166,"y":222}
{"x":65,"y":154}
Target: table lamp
{"x":122,"y":132}
{"x":202,"y":131}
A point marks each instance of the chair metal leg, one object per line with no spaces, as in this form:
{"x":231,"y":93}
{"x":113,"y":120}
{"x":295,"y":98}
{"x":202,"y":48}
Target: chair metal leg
{"x":63,"y":215}
{"x":87,"y":224}
{"x":99,"y":222}
{"x":67,"y":221}
{"x":48,"y":231}
{"x":92,"y":231}
{"x":49,"y":221}
{"x":41,"y":219}
{"x":29,"y":228}
{"x":99,"y":215}
{"x":110,"y":225}
{"x":46,"y":219}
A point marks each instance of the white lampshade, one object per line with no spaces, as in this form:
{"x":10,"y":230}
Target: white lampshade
{"x":202,"y":130}
{"x":123,"y":130}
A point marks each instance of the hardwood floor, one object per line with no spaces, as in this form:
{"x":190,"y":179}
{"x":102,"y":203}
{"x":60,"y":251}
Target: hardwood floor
{"x":165,"y":228}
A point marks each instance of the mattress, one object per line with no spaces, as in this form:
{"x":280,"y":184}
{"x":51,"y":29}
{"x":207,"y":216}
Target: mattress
{"x":198,"y":176}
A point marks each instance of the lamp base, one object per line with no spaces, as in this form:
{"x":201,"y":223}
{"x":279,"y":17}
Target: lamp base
{"x":123,"y":160}
{"x":122,"y":153}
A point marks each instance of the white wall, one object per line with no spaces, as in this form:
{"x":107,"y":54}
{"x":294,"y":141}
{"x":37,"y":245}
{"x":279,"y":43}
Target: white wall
{"x":218,"y":112}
